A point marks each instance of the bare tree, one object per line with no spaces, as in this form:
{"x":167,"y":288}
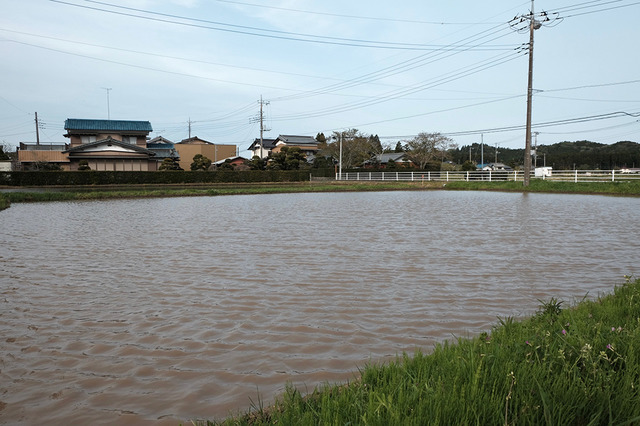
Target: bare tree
{"x":356,"y":147}
{"x":426,"y":147}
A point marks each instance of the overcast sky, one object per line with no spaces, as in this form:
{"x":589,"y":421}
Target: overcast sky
{"x":388,"y":68}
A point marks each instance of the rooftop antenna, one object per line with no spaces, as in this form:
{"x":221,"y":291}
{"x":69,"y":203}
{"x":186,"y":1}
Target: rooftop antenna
{"x":108,"y":89}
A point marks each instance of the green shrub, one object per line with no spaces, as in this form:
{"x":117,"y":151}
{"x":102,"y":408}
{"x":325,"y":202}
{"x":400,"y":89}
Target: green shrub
{"x":70,"y":178}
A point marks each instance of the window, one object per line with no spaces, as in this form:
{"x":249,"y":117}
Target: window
{"x":133,"y":140}
{"x":87,"y":139}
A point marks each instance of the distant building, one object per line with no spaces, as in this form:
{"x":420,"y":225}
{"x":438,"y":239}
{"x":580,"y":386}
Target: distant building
{"x":162,"y":148}
{"x":381,"y":160}
{"x":494,"y":167}
{"x":32,"y":156}
{"x":307,"y":144}
{"x":188,"y":148}
{"x":262,"y":149}
{"x":118,"y":145}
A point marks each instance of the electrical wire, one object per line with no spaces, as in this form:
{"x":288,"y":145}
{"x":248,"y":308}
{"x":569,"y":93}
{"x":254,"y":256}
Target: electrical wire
{"x":397,"y":68}
{"x":246,"y":30}
{"x":465,"y":72}
{"x":360,"y":17}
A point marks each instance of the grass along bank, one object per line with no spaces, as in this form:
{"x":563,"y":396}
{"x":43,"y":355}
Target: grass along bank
{"x":577,"y":366}
{"x":100,"y":193}
{"x":4,"y":202}
{"x":84,"y":193}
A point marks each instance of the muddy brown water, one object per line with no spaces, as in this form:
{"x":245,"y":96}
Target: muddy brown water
{"x":164,"y":310}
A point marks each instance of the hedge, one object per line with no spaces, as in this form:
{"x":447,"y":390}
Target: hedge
{"x":70,"y":178}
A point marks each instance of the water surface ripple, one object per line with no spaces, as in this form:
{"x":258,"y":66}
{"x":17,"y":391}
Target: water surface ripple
{"x":164,"y":310}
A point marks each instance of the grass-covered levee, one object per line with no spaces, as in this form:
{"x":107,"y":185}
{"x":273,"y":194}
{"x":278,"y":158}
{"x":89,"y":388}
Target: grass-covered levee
{"x":563,"y":366}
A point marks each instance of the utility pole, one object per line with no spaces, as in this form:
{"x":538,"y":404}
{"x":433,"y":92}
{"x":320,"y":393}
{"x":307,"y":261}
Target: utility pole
{"x":527,"y":144}
{"x":482,"y":149}
{"x":533,"y":25}
{"x":189,"y":123}
{"x":262,"y":129}
{"x":496,"y":160}
{"x":37,"y":130}
{"x":535,"y":150}
{"x":108,"y":89}
{"x":340,"y":168}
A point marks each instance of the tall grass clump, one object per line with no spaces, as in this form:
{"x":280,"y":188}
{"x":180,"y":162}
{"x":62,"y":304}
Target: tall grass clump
{"x":4,"y":202}
{"x":576,"y":366}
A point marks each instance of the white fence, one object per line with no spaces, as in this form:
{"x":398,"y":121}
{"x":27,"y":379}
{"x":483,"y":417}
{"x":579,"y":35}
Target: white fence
{"x":498,"y":175}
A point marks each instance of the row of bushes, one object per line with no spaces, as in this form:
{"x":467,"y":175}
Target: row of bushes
{"x":45,"y":178}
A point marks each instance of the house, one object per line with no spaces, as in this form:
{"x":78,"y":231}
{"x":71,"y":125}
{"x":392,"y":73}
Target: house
{"x":381,"y":160}
{"x":494,"y":167}
{"x":307,"y":144}
{"x":235,"y":162}
{"x":163,"y":148}
{"x":262,"y":149}
{"x":189,"y":148}
{"x":118,"y":145}
{"x":32,"y":156}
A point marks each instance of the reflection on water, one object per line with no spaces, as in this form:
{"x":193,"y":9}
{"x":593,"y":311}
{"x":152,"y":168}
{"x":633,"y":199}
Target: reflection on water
{"x":159,"y":311}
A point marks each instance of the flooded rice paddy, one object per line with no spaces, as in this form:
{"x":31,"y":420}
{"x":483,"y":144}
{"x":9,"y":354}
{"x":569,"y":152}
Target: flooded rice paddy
{"x":163,"y":310}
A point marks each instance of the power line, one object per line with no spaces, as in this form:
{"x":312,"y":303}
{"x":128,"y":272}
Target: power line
{"x":589,"y":86}
{"x":447,"y":78}
{"x":607,"y":116}
{"x":246,"y":30}
{"x":361,"y":17}
{"x":401,"y":67}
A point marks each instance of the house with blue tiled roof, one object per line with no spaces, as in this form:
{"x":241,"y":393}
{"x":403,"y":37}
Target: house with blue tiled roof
{"x":118,"y":145}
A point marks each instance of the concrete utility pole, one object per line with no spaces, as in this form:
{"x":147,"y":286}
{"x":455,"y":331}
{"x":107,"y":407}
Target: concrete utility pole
{"x":340,"y":164}
{"x":37,"y":130}
{"x":533,"y":25}
{"x":535,"y":149}
{"x":527,"y":144}
{"x":262,"y":129}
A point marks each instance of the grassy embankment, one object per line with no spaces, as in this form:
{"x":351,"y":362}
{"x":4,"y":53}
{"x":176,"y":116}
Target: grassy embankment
{"x":4,"y":202}
{"x":97,"y":193}
{"x":577,"y":366}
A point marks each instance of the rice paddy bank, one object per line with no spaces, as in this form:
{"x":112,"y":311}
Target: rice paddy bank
{"x":41,"y":194}
{"x":575,"y":366}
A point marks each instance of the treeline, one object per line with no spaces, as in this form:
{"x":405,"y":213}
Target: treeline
{"x":581,"y":155}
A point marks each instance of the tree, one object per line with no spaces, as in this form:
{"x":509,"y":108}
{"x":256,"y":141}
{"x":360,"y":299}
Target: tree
{"x":83,"y":165}
{"x":169,"y":164}
{"x":3,"y":155}
{"x":426,"y":147}
{"x":356,"y":147}
{"x":468,"y":166}
{"x":320,"y":162}
{"x":46,"y":166}
{"x":399,"y":147}
{"x":289,"y":158}
{"x":321,"y":138}
{"x":200,"y":162}
{"x":257,"y":163}
{"x":226,"y":165}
